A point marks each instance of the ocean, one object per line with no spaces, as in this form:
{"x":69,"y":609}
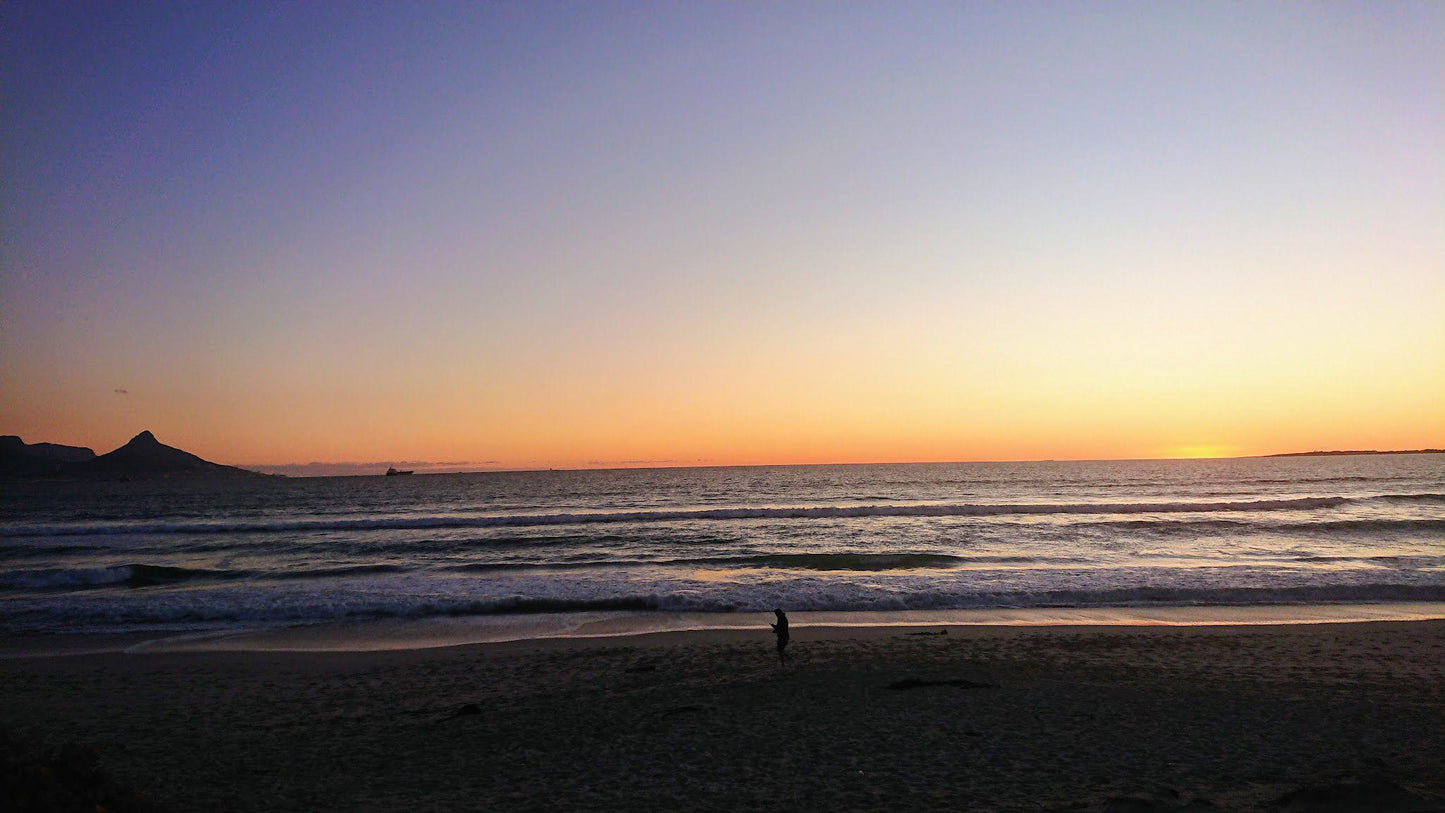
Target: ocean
{"x":515,"y":554}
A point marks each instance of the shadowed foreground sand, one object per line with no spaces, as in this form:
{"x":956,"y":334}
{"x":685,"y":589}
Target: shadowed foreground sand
{"x":1329,"y":717}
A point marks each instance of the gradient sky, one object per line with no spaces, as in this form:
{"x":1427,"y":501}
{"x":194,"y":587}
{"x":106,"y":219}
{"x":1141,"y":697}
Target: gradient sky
{"x":537,"y":234}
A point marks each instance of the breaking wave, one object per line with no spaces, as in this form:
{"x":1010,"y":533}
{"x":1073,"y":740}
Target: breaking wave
{"x":138,"y":575}
{"x":864,"y":562}
{"x":1412,"y":498}
{"x":116,"y":576}
{"x":689,"y":515}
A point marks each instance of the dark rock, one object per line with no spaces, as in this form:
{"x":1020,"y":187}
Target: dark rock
{"x":915,"y":683}
{"x":468,"y":710}
{"x":676,"y":710}
{"x":1142,"y":804}
{"x":1134,"y":804}
{"x":1377,"y":795}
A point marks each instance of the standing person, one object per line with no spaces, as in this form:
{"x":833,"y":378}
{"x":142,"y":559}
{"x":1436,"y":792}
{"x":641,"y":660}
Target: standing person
{"x":780,"y":629}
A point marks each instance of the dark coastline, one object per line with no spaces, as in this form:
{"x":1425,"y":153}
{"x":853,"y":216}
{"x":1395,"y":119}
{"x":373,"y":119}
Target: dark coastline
{"x":1350,"y":452}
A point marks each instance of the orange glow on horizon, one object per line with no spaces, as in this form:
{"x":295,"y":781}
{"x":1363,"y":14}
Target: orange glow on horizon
{"x":753,"y":421}
{"x":1204,"y":451}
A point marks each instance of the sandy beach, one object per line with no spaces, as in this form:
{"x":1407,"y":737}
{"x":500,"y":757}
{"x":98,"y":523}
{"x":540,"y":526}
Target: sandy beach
{"x":1302,"y":717}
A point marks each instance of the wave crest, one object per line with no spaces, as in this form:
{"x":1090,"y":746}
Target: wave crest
{"x":115,"y":576}
{"x":685,"y":515}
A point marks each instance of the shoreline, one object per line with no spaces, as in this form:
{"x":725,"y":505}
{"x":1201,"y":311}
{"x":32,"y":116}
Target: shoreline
{"x":393,"y":635}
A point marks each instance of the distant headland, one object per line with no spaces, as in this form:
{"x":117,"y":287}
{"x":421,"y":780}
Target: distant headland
{"x":1356,"y":452}
{"x":142,"y":457}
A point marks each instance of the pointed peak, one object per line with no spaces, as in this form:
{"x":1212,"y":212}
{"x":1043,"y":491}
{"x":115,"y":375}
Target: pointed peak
{"x":144,"y":437}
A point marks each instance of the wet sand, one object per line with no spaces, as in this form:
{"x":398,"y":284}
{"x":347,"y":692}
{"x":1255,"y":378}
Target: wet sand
{"x":1300,"y":717}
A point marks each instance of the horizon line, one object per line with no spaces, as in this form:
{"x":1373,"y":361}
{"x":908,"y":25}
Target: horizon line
{"x":659,"y":465}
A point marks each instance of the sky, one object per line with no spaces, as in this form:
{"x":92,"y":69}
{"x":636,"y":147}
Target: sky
{"x":611,"y":234}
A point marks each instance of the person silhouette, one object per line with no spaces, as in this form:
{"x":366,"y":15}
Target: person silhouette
{"x":780,"y":629}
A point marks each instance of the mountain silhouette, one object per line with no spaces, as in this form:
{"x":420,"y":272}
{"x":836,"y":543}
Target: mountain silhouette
{"x":20,"y":458}
{"x":144,"y":456}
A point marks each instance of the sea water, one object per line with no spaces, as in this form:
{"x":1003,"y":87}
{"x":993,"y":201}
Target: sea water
{"x":555,"y":551}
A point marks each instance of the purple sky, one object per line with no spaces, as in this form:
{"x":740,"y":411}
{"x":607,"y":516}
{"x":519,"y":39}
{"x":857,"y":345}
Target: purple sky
{"x":563,"y":233}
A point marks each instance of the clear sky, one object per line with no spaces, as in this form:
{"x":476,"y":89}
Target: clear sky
{"x":538,"y":234}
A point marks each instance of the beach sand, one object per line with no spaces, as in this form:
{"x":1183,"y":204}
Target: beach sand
{"x":1302,"y":717}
